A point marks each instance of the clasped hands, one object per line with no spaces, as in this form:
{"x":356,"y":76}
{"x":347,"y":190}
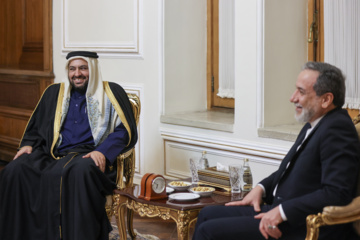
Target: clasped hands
{"x":269,"y":220}
{"x":96,"y":156}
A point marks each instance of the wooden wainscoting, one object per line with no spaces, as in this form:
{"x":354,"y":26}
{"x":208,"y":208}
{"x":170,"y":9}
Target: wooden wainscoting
{"x":19,"y":94}
{"x":26,"y":66}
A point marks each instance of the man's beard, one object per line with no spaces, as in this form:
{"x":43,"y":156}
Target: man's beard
{"x":81,"y":89}
{"x":305,"y":115}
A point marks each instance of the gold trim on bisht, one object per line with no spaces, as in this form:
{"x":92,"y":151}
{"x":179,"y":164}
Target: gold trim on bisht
{"x":117,"y":107}
{"x":57,"y":119}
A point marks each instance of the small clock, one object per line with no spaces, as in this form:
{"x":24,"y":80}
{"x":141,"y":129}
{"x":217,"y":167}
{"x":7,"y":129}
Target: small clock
{"x":158,"y":184}
{"x":152,"y":187}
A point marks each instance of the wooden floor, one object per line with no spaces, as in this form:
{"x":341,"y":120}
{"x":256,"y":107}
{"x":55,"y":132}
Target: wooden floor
{"x":163,"y":229}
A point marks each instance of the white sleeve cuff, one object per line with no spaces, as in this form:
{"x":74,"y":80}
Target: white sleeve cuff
{"x":283,"y":216}
{"x":263,"y":188}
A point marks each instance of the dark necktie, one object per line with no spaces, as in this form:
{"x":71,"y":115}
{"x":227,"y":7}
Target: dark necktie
{"x":293,"y":153}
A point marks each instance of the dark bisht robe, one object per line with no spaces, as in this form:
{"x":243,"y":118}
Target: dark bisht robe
{"x":47,"y":196}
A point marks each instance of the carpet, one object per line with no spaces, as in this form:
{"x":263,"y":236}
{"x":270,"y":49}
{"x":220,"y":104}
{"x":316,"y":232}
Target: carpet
{"x":114,"y":235}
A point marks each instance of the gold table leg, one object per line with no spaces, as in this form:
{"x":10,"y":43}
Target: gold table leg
{"x":182,"y":224}
{"x":183,"y":219}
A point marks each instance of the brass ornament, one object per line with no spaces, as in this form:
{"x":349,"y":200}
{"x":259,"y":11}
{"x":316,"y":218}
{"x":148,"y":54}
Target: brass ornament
{"x":148,"y":210}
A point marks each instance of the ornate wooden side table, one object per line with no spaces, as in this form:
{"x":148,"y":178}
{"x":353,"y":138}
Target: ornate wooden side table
{"x":184,"y":213}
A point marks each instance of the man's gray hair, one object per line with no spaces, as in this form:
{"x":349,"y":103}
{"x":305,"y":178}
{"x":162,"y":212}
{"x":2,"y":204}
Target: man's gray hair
{"x":330,"y":80}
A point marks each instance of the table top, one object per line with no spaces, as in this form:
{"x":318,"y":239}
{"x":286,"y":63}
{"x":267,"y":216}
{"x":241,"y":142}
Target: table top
{"x":214,"y":199}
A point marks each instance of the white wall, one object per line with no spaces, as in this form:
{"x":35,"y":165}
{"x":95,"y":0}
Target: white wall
{"x":132,"y":73}
{"x":285,"y":51}
{"x":255,"y":22}
{"x":166,"y":148}
{"x":184,"y":55}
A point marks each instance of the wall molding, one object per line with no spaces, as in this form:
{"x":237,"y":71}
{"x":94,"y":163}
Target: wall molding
{"x":116,"y":48}
{"x":228,"y":144}
{"x":161,"y":46}
{"x":217,"y":146}
{"x":260,"y":63}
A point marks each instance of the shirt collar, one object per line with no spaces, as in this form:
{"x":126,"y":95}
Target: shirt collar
{"x":316,"y":121}
{"x":77,"y":94}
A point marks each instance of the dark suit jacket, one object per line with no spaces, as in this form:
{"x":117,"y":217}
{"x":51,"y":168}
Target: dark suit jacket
{"x":322,"y":172}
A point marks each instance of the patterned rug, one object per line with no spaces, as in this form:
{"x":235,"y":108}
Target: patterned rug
{"x":114,"y":235}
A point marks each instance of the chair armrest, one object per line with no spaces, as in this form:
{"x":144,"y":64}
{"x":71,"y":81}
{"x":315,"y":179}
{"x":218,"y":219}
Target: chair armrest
{"x":342,"y":214}
{"x":332,"y":215}
{"x":125,"y":169}
{"x":126,"y":161}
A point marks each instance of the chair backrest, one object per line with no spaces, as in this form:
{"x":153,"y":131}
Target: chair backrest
{"x":126,"y":161}
{"x":356,"y":122}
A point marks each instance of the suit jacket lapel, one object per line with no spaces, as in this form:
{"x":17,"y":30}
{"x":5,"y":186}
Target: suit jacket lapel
{"x":293,"y":152}
{"x":295,"y":156}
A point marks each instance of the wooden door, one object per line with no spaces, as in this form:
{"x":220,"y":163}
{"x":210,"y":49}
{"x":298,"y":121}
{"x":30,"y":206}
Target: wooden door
{"x":25,"y":66}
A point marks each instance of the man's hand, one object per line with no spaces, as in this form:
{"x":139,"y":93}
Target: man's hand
{"x":25,"y":149}
{"x":99,"y":159}
{"x":269,"y":222}
{"x":253,"y":198}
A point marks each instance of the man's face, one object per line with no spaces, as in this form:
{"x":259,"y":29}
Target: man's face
{"x":307,"y":103}
{"x":79,"y":74}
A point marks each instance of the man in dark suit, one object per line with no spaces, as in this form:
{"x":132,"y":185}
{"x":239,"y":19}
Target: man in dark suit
{"x":320,"y":169}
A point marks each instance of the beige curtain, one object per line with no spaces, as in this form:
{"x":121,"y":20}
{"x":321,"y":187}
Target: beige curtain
{"x":342,"y":44}
{"x":226,"y":49}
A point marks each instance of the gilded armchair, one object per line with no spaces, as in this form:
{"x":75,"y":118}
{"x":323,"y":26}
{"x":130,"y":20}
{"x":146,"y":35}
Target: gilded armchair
{"x":332,"y":215}
{"x":126,"y":161}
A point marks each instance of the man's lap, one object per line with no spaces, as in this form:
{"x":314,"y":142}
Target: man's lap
{"x":237,"y":222}
{"x":221,"y":222}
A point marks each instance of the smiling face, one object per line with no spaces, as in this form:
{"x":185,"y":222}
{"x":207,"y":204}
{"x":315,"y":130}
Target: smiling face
{"x":308,"y":104}
{"x":79,"y":74}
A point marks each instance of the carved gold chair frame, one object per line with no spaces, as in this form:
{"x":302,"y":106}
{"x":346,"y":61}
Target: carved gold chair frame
{"x":125,"y":162}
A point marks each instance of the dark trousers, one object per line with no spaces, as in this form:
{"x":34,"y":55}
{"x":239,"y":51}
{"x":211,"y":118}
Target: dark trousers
{"x":236,"y":222}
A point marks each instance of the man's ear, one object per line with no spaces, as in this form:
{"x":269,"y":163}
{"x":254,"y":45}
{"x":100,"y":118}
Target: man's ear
{"x":327,"y":100}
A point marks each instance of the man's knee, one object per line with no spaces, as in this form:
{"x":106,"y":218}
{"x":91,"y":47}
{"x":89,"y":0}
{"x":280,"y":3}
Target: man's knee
{"x":209,"y":212}
{"x":205,"y":231}
{"x":84,"y":163}
{"x":200,"y":232}
{"x":15,"y":167}
{"x":81,"y":167}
